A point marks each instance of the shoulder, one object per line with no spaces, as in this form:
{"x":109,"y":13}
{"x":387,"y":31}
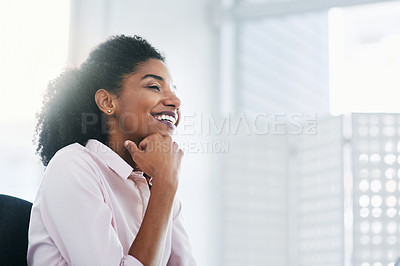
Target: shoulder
{"x":71,"y":166}
{"x":72,"y":155}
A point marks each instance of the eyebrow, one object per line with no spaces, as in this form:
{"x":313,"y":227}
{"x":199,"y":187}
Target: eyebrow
{"x":153,"y":76}
{"x":158,"y":78}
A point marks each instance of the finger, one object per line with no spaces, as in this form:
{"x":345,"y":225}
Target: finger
{"x":144,"y":143}
{"x":131,"y":147}
{"x":175,"y":146}
{"x":164,"y":134}
{"x":136,"y":154}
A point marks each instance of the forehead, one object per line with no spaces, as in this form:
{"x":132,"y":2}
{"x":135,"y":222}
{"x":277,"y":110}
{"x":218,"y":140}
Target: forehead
{"x":154,"y":67}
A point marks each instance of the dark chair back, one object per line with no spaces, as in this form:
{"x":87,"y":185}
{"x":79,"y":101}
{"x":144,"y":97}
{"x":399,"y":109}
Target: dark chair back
{"x":14,"y":222}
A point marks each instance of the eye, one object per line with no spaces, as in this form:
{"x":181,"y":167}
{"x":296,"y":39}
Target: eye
{"x":174,"y":90}
{"x":155,"y":87}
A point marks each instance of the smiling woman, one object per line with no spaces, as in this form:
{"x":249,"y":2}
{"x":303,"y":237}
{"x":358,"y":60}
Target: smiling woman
{"x":108,"y":196}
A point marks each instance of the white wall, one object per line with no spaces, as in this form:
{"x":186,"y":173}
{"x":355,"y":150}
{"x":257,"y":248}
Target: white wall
{"x":181,"y":30}
{"x":32,"y":51}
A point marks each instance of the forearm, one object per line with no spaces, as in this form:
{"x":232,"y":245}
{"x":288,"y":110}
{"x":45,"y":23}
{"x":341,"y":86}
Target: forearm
{"x":149,"y":243}
{"x":163,"y":165}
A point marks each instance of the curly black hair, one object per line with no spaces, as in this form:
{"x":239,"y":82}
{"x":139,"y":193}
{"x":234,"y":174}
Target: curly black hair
{"x":70,"y":113}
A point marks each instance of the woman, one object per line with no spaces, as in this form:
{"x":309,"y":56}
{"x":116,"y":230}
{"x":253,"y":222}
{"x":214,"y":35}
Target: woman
{"x":104,"y":135}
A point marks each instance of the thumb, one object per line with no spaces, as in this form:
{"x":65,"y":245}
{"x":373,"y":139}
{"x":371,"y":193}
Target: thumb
{"x":135,"y":152}
{"x":131,"y":147}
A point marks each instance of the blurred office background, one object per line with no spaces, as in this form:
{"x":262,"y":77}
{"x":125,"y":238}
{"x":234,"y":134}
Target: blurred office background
{"x":317,"y":182}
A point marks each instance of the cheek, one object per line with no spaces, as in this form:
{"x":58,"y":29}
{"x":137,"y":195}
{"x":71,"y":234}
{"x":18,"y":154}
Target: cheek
{"x":135,"y":114}
{"x":137,"y":124}
{"x":136,"y":120}
{"x":129,"y":123}
{"x":129,"y":117}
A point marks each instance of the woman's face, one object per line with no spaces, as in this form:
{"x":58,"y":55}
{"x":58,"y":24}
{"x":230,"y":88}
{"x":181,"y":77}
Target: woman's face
{"x":147,"y":103}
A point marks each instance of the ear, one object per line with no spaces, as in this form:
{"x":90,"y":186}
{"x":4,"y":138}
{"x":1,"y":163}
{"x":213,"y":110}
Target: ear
{"x":105,"y":101}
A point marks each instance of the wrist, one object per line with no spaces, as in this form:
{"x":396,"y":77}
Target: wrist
{"x":160,"y":186}
{"x":167,"y":188}
{"x":162,"y":196}
{"x":166,"y":178}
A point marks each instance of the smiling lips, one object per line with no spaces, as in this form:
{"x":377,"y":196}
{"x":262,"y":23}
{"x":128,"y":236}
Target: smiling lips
{"x":167,"y":117}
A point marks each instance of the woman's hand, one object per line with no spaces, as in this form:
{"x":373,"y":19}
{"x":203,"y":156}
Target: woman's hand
{"x":159,"y":157}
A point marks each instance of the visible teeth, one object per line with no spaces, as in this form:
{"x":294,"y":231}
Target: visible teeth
{"x":166,"y":117}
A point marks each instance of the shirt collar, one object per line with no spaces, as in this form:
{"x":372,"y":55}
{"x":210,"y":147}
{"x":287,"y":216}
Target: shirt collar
{"x":112,"y":159}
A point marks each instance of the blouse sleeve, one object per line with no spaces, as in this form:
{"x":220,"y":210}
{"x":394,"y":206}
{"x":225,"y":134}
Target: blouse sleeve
{"x":75,"y":214}
{"x":181,"y":250}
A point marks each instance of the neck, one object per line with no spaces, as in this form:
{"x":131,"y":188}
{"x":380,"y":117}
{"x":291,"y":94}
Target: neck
{"x":116,"y":143}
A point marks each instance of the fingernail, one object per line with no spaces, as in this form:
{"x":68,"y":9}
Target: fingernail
{"x":126,"y":143}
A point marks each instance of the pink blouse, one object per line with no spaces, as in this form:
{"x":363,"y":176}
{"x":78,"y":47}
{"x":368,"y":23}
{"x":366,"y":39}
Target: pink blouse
{"x":89,"y":208}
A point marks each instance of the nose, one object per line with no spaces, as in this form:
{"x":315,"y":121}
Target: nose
{"x":172,"y":99}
